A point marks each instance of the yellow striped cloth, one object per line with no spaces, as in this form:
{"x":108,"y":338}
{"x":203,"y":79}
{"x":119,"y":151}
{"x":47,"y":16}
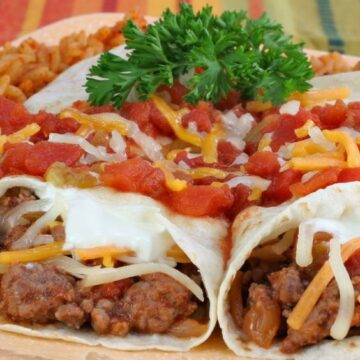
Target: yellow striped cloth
{"x":321,"y":24}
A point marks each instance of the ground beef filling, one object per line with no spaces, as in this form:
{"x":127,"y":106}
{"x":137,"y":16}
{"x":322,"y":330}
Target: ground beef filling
{"x":282,"y":289}
{"x":40,"y":293}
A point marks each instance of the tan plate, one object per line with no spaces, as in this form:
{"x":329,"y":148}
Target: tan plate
{"x":16,"y":347}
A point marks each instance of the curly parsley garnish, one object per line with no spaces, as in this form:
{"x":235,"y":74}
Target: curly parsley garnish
{"x":234,"y":53}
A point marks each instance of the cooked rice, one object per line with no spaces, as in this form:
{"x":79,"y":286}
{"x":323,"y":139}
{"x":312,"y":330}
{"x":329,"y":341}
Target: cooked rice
{"x":331,"y":63}
{"x":26,"y":69}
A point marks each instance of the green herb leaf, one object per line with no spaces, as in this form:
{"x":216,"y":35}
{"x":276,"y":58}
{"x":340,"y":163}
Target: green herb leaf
{"x":235,"y":53}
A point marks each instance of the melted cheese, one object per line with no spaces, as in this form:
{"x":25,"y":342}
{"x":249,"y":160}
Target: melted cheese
{"x":99,"y":217}
{"x":342,"y":324}
{"x":209,"y":144}
{"x":173,"y":117}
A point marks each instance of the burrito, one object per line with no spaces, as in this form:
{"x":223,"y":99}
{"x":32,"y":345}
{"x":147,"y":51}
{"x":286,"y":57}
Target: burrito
{"x":101,"y":267}
{"x":291,"y":287}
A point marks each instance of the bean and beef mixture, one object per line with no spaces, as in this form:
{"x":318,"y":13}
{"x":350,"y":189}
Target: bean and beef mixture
{"x":40,"y":293}
{"x":265,"y":292}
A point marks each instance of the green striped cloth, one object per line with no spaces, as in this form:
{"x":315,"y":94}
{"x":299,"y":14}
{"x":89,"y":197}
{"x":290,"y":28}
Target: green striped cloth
{"x":321,"y":24}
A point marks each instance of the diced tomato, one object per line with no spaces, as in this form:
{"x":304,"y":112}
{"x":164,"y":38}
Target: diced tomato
{"x":112,"y":290}
{"x":139,"y":112}
{"x":13,"y":116}
{"x":241,"y":194}
{"x":351,"y":174}
{"x":251,"y":147}
{"x":159,"y":121}
{"x":135,"y":175}
{"x":331,"y":116}
{"x":14,"y":159}
{"x":228,"y":102}
{"x":98,"y":109}
{"x":263,"y":163}
{"x":278,"y":190}
{"x":44,"y":153}
{"x":353,"y":115}
{"x":318,"y":181}
{"x":201,"y":200}
{"x":201,"y":115}
{"x":50,"y":123}
{"x":353,"y":264}
{"x":193,"y":163}
{"x":227,"y":152}
{"x":176,"y":92}
{"x":35,"y":159}
{"x":285,"y":131}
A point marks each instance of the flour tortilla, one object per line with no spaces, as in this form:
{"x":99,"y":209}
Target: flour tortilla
{"x":256,"y":226}
{"x":199,"y":238}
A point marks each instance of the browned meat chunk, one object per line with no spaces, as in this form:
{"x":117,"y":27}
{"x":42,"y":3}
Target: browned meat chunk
{"x":287,"y":285}
{"x":14,"y":197}
{"x":318,"y":324}
{"x":14,"y":234}
{"x":71,"y":314}
{"x":156,"y":302}
{"x":107,"y":318}
{"x":33,"y":292}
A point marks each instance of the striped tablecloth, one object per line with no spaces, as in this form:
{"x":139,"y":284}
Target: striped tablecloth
{"x":321,"y":24}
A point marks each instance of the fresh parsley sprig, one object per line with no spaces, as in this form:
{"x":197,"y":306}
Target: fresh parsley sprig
{"x":235,"y":53}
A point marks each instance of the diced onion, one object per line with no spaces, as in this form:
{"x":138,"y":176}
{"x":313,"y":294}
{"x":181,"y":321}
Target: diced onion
{"x":250,"y":181}
{"x":150,"y":146}
{"x":291,"y":107}
{"x":239,"y":126}
{"x":342,"y":323}
{"x":98,"y":153}
{"x":27,"y":240}
{"x":243,"y":158}
{"x":118,"y":144}
{"x":318,"y":138}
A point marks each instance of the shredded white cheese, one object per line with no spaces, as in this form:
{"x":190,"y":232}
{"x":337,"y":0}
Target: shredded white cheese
{"x":342,"y":323}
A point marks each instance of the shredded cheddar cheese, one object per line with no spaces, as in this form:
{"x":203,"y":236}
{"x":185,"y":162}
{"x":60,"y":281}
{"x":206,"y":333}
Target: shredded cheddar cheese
{"x":318,"y":96}
{"x":39,"y":253}
{"x":303,"y":131}
{"x":351,"y":148}
{"x":170,"y":180}
{"x":201,"y":172}
{"x":306,"y":147}
{"x":317,"y":286}
{"x":19,"y":136}
{"x":173,"y":117}
{"x":101,"y":252}
{"x":315,"y":162}
{"x":209,"y":144}
{"x":95,"y":121}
